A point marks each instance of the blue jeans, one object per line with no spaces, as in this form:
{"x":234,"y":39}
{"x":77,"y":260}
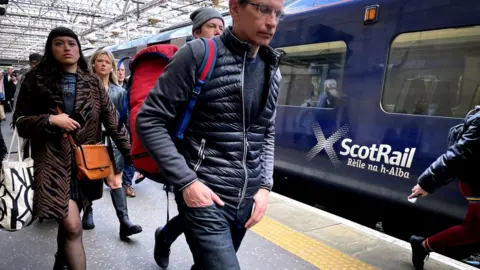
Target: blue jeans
{"x":214,"y":234}
{"x":128,"y":173}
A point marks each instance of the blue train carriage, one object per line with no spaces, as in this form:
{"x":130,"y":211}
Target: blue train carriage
{"x":369,"y":92}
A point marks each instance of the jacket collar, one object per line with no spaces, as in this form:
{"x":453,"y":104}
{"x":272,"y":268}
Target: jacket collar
{"x":239,"y":47}
{"x":81,"y":74}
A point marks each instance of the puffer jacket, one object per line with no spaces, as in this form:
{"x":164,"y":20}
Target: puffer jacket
{"x":460,"y":161}
{"x":218,"y":149}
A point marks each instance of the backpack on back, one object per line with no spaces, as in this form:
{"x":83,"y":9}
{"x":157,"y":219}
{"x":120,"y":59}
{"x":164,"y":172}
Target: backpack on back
{"x":145,"y":69}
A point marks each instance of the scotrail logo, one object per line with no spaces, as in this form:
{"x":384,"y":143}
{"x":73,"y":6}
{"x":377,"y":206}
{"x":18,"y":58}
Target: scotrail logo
{"x":378,"y":158}
{"x":327,"y":144}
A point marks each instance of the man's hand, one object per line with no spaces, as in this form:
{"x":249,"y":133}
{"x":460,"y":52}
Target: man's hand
{"x":261,"y":203}
{"x":417,"y":191}
{"x":199,"y":195}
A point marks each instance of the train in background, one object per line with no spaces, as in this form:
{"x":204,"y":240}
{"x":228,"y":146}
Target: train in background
{"x":370,"y":89}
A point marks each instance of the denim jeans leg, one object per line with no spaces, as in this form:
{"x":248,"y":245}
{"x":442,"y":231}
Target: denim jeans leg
{"x":173,"y":229}
{"x":128,"y":173}
{"x":208,"y":235}
{"x":237,"y":224}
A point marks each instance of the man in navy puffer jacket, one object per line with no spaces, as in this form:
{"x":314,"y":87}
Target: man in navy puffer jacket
{"x":223,"y":168}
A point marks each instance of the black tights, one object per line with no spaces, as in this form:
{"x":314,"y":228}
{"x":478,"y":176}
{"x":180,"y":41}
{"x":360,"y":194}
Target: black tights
{"x":69,"y":238}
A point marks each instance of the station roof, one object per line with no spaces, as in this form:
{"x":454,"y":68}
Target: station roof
{"x":27,"y":23}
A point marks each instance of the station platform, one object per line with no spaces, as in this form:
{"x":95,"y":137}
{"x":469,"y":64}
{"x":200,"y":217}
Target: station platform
{"x":292,"y":235}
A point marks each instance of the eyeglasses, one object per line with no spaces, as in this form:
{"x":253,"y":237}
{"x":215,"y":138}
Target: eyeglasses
{"x":267,"y":11}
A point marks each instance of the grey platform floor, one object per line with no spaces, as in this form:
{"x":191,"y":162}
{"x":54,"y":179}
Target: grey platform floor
{"x":33,"y":247}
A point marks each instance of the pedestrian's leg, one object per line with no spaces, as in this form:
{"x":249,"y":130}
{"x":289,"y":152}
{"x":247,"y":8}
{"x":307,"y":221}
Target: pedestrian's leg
{"x":172,"y":230}
{"x":87,"y":219}
{"x":60,"y":257}
{"x":164,"y":238}
{"x":209,"y":238}
{"x":460,"y":235}
{"x":166,"y":235}
{"x":119,"y":200}
{"x":127,"y":177}
{"x":70,"y":230}
{"x":237,"y":225}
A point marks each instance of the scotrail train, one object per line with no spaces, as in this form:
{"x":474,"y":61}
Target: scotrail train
{"x":369,"y":92}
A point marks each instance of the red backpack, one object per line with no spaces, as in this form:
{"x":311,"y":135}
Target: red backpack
{"x":149,"y":64}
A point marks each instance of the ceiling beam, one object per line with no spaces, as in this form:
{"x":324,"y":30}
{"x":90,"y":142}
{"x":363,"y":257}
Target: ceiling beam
{"x":37,"y":17}
{"x":145,"y":7}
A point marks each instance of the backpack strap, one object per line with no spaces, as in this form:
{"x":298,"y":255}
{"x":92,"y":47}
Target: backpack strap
{"x":203,"y":75}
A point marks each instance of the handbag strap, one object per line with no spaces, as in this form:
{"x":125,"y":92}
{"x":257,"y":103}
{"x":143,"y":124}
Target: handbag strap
{"x":68,"y":135}
{"x":15,"y":136}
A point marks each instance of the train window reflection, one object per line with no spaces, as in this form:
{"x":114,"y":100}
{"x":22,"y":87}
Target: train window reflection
{"x":312,"y":74}
{"x":434,"y":73}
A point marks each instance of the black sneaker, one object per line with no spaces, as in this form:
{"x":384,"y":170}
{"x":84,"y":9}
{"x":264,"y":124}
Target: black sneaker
{"x":161,"y":252}
{"x":419,"y":253}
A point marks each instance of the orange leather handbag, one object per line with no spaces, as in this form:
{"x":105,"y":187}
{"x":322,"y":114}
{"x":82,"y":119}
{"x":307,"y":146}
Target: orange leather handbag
{"x":93,"y":161}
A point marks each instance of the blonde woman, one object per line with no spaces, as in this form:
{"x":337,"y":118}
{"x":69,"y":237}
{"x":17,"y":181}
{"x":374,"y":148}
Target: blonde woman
{"x":102,"y":63}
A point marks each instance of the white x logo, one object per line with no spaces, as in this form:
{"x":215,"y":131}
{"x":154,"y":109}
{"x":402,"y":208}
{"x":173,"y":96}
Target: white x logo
{"x":326,"y":144}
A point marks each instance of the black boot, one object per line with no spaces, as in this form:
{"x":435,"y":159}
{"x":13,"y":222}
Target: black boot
{"x":60,"y":262}
{"x":419,"y":253}
{"x":119,"y":200}
{"x":87,"y":219}
{"x":161,"y":252}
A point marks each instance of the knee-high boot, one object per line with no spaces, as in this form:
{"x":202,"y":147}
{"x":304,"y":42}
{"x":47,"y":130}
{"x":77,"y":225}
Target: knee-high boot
{"x":87,"y":219}
{"x":119,"y":200}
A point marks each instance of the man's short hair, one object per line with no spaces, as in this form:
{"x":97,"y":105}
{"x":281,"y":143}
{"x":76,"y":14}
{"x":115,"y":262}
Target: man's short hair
{"x":35,"y":57}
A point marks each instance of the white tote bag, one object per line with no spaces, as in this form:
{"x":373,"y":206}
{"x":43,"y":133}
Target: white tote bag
{"x":16,"y":193}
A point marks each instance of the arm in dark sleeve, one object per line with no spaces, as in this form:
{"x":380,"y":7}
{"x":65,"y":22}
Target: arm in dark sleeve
{"x":458,"y":161}
{"x":268,"y":150}
{"x":30,"y":124}
{"x":159,"y":113}
{"x":109,"y":118}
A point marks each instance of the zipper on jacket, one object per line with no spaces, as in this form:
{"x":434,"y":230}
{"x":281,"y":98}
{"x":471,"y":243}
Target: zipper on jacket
{"x":201,"y":155}
{"x":245,"y":139}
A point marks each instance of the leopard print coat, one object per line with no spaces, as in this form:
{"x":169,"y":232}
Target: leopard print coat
{"x":51,"y":150}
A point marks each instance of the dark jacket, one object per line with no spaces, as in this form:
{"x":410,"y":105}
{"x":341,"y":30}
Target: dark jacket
{"x":117,"y":95}
{"x":3,"y":148}
{"x":460,"y":161}
{"x":9,"y":87}
{"x":230,"y":158}
{"x":51,"y":151}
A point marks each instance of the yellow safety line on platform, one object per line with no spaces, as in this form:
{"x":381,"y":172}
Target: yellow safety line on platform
{"x":316,"y":253}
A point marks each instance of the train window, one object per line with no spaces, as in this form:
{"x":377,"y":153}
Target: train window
{"x":312,"y":74}
{"x":434,"y":73}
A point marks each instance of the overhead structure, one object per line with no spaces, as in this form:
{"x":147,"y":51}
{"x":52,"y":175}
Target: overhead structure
{"x":25,"y":26}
